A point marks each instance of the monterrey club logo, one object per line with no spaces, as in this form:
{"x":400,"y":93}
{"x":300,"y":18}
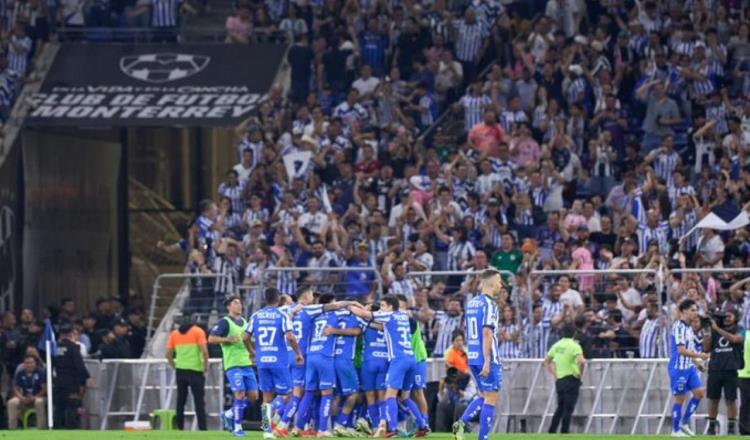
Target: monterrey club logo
{"x":160,"y":68}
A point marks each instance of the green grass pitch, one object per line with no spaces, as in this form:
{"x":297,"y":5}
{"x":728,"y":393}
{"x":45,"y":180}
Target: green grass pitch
{"x":255,"y":435}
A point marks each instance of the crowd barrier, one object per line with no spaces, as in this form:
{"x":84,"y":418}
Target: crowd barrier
{"x":618,"y":396}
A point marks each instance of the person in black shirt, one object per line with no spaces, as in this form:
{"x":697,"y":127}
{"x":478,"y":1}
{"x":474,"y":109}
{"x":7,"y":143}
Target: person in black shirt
{"x":300,"y":57}
{"x":70,"y":380}
{"x":724,"y":341}
{"x":115,"y":344}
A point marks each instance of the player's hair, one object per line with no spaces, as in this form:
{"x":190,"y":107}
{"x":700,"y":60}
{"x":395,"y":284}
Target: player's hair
{"x":489,"y":273}
{"x":402,"y":297}
{"x":304,"y":289}
{"x":230,"y":299}
{"x":686,"y":304}
{"x":568,"y":331}
{"x":272,"y":295}
{"x":326,"y":298}
{"x":392,"y":301}
{"x":457,"y":333}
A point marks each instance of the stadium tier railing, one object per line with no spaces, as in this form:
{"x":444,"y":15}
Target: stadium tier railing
{"x":189,"y":298}
{"x":132,"y":389}
{"x":323,"y":279}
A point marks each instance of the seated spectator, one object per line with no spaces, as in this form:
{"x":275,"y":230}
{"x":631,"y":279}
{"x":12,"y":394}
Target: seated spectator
{"x":29,"y":391}
{"x":455,"y":392}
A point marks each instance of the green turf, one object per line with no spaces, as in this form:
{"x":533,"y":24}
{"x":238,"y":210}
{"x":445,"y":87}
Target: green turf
{"x":252,"y":435}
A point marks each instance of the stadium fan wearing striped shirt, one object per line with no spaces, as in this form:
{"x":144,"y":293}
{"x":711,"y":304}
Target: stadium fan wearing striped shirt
{"x":165,"y":16}
{"x":475,"y":103}
{"x":234,"y":190}
{"x":653,"y":323}
{"x":446,"y":322}
{"x":373,"y":45}
{"x":18,"y":50}
{"x":471,"y":42}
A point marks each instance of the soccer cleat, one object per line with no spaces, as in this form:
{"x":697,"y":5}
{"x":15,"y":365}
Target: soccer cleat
{"x":679,"y":434}
{"x":381,"y":431}
{"x":402,"y":433}
{"x":711,"y":429}
{"x":363,"y":426}
{"x":309,"y":433}
{"x":268,"y":436}
{"x":322,"y":434}
{"x":280,"y":431}
{"x":239,"y":433}
{"x":226,"y":422}
{"x":458,"y":430}
{"x":296,"y":432}
{"x":686,"y":429}
{"x":341,"y":431}
{"x":422,"y":432}
{"x":265,"y":420}
{"x":390,"y":434}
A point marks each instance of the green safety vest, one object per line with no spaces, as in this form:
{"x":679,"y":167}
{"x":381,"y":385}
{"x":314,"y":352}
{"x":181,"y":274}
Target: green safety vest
{"x":745,"y":371}
{"x":235,"y":354}
{"x":417,"y":344}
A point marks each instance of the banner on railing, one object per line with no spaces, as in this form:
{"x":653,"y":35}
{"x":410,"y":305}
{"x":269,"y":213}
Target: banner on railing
{"x":155,"y":84}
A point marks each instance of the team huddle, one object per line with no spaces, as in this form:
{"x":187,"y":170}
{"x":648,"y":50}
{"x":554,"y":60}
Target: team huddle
{"x":330,"y":367}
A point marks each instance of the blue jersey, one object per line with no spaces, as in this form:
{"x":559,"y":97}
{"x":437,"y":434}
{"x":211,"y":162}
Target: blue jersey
{"x":397,"y":333}
{"x":346,"y":345}
{"x":481,"y":312}
{"x":302,"y":325}
{"x":374,"y":343}
{"x":682,"y":334}
{"x":320,"y":343}
{"x":270,"y":325}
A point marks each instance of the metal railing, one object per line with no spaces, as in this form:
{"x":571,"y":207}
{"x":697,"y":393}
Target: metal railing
{"x":324,"y":279}
{"x":534,"y":279}
{"x":131,"y":389}
{"x":176,"y":306}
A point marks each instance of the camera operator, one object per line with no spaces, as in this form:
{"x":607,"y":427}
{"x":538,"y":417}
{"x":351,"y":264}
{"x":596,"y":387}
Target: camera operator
{"x":724,"y":342}
{"x":454,"y":394}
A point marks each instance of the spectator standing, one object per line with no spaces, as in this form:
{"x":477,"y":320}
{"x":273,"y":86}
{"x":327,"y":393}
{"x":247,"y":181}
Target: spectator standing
{"x":187,"y":353}
{"x":724,"y":343}
{"x":29,"y":391}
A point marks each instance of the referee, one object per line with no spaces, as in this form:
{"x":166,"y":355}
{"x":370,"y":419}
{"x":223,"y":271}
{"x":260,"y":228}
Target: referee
{"x":187,"y":353}
{"x":565,"y":361}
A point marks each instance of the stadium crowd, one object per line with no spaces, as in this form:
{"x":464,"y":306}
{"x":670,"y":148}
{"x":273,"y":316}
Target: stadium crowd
{"x":586,"y":138}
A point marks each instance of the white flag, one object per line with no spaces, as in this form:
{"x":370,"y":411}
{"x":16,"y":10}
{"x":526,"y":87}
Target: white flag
{"x":296,"y":164}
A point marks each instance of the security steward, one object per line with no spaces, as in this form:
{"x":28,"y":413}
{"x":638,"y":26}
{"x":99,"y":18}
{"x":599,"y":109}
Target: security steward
{"x":724,"y":342}
{"x":70,"y":380}
{"x":566,"y":363}
{"x":743,"y":376}
{"x":187,"y":353}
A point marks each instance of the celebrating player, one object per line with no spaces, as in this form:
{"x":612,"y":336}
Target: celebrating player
{"x":229,"y":333}
{"x":271,"y":329}
{"x":683,"y":373}
{"x":403,"y":366}
{"x":482,"y":319}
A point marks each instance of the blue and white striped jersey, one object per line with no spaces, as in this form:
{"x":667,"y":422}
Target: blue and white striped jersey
{"x":481,"y":312}
{"x":682,"y":334}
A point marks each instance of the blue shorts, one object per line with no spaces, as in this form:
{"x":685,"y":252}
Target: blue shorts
{"x":401,"y":374}
{"x":241,"y":379}
{"x":683,"y":381}
{"x":373,"y":374}
{"x":298,"y":375}
{"x":320,"y":373}
{"x":493,"y":381}
{"x":347,"y":380}
{"x":275,"y":379}
{"x":420,"y":378}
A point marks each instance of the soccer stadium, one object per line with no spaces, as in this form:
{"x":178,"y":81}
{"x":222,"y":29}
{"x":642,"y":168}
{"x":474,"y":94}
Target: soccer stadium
{"x":452,"y":219}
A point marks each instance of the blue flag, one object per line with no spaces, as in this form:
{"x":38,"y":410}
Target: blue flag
{"x":48,"y":335}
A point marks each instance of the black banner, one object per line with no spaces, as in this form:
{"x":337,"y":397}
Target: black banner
{"x":155,"y":84}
